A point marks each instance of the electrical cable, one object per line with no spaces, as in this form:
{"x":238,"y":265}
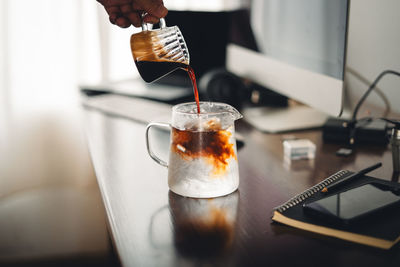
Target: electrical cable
{"x":352,"y":124}
{"x":377,"y":90}
{"x":361,"y":101}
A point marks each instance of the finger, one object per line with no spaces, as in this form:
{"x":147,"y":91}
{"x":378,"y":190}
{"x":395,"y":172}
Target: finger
{"x":150,"y":19}
{"x":113,"y":13}
{"x":155,"y":8}
{"x":122,"y":22}
{"x":134,"y":18}
{"x":113,"y":18}
{"x":137,"y":7}
{"x":113,"y":10}
{"x":126,"y":9}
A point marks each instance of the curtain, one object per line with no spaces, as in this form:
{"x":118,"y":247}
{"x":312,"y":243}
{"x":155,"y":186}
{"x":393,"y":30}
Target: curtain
{"x":47,"y":49}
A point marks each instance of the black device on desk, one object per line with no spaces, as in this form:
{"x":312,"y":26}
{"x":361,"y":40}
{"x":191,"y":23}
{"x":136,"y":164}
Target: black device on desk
{"x":355,"y":204}
{"x":343,"y":216}
{"x":371,"y":132}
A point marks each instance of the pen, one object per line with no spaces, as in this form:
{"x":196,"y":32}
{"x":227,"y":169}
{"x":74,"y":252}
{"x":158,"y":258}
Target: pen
{"x":351,"y":177}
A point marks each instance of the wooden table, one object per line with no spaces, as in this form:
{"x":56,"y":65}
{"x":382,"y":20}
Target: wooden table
{"x":151,"y":226}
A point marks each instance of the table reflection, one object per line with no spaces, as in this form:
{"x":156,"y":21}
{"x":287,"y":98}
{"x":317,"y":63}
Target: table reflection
{"x":203,"y":228}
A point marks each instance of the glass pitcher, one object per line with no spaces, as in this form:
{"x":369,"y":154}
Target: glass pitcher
{"x":203,"y":156}
{"x":159,"y":52}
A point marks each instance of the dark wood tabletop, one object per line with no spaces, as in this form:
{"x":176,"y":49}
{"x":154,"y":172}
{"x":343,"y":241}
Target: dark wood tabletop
{"x":151,"y":226}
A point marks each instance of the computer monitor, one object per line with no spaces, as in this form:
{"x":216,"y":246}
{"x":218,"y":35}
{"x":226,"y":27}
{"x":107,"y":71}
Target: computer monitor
{"x":302,"y":53}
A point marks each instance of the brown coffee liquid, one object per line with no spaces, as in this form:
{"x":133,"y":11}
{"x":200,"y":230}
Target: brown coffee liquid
{"x":192,"y":77}
{"x":152,"y":63}
{"x":153,"y":70}
{"x":204,"y":237}
{"x":211,"y":144}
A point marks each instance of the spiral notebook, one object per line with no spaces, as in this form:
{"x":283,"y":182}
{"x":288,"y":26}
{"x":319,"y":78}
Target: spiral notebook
{"x":377,"y":231}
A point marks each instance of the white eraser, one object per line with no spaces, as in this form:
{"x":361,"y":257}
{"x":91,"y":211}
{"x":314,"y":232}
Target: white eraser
{"x":299,"y":149}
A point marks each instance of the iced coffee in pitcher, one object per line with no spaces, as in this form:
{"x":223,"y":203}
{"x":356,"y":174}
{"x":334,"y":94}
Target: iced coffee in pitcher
{"x":202,"y":158}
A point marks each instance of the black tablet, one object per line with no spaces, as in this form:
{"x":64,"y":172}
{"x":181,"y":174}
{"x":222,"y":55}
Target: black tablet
{"x":354,"y":204}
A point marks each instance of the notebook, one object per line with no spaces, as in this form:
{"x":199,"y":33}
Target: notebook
{"x":381,"y":231}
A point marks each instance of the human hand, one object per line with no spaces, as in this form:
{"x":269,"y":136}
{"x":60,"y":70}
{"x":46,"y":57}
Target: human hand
{"x":125,"y":13}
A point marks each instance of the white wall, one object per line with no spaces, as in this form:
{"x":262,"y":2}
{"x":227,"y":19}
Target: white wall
{"x":373,"y":46}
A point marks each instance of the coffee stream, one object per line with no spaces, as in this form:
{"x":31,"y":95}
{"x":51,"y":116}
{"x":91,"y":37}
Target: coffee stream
{"x":192,"y":76}
{"x":152,"y":70}
{"x":154,"y":60}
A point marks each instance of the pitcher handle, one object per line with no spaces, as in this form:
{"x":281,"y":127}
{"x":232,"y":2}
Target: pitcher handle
{"x":162,"y":23}
{"x":152,"y":155}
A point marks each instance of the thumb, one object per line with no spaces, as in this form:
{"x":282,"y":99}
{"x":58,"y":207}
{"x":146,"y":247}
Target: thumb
{"x":155,"y":8}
